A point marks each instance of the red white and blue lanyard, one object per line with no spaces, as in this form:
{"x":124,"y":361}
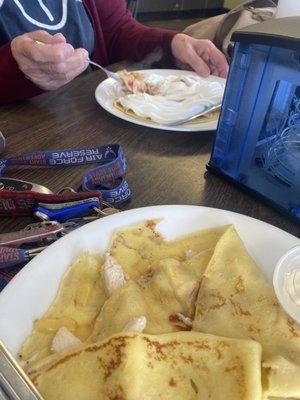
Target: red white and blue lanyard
{"x":107,"y":179}
{"x":106,"y":182}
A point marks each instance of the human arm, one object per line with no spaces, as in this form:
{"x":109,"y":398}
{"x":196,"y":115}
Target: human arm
{"x":35,"y":62}
{"x":126,"y":38}
{"x":199,"y":54}
{"x":13,"y":83}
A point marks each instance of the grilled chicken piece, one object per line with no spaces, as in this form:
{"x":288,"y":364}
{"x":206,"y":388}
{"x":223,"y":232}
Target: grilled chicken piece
{"x":113,"y":274}
{"x":136,"y":325}
{"x":135,"y":82}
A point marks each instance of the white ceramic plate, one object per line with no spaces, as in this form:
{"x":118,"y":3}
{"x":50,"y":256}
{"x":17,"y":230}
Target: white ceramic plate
{"x":105,"y":96}
{"x":31,"y":292}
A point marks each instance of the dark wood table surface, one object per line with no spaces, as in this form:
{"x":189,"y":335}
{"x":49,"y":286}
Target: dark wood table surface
{"x":164,"y":167}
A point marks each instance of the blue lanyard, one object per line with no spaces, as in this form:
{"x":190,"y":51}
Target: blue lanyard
{"x":108,"y":177}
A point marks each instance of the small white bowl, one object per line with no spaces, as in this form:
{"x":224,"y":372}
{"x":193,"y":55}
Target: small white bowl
{"x":288,"y":263}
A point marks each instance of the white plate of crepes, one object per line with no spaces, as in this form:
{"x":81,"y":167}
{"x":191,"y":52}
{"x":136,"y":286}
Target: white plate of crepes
{"x":162,"y":98}
{"x":166,"y":302}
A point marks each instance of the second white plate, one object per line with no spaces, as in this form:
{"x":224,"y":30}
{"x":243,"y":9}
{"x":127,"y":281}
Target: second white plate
{"x":105,"y":97}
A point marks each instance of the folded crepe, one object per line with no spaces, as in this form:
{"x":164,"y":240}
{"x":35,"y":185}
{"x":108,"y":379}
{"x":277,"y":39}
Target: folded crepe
{"x":177,"y":366}
{"x":162,"y":279}
{"x":235,"y":301}
{"x":80,"y":297}
{"x":164,"y":295}
{"x":137,"y":247}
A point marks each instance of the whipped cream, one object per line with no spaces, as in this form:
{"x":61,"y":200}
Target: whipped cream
{"x":176,"y":98}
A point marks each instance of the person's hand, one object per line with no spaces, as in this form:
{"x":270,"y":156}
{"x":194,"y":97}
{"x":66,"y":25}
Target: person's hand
{"x":51,"y":63}
{"x":199,"y":54}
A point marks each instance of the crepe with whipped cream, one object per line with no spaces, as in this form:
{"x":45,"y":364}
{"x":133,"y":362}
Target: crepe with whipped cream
{"x":173,"y":98}
{"x":236,"y":301}
{"x":176,"y":366}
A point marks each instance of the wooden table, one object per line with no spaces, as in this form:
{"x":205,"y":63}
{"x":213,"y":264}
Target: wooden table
{"x":164,"y":167}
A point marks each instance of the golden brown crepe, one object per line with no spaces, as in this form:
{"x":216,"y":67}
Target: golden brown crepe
{"x":80,"y":298}
{"x":163,"y":278}
{"x":137,"y":248}
{"x":170,"y":288}
{"x":235,"y":301}
{"x":178,"y":366}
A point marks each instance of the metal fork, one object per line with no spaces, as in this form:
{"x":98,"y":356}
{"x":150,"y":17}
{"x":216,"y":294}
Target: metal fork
{"x":14,"y":384}
{"x":183,"y":121}
{"x":109,"y":73}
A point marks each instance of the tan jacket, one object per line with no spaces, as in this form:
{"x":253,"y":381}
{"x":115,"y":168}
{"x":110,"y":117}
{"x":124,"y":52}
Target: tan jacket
{"x":219,"y":29}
